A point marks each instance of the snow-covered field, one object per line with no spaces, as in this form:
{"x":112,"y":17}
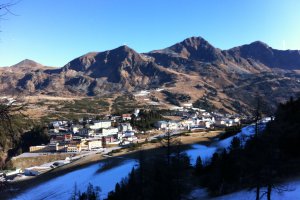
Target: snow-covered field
{"x":243,"y":135}
{"x":206,"y":152}
{"x":62,"y":186}
{"x":200,"y":150}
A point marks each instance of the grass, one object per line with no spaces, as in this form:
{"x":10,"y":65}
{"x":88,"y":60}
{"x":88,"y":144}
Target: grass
{"x":75,"y":109}
{"x":95,"y":106}
{"x":35,"y":161}
{"x":124,"y":104}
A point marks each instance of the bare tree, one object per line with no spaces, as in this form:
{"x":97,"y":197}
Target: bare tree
{"x":8,"y":108}
{"x":5,"y":7}
{"x":168,"y":141}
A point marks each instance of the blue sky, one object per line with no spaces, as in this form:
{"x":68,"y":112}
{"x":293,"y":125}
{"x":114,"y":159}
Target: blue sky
{"x":53,"y":32}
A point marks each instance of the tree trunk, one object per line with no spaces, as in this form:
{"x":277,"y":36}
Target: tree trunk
{"x":269,"y":192}
{"x":257,"y":192}
{"x":168,"y":147}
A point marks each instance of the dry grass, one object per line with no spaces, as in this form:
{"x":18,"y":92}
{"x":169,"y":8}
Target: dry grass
{"x":26,"y":162}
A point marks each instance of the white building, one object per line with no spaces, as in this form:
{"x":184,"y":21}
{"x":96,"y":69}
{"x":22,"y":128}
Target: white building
{"x":100,"y":124}
{"x":75,"y":128}
{"x":128,"y":133}
{"x":188,"y":123}
{"x":170,"y":125}
{"x":220,"y":122}
{"x":59,"y":123}
{"x":136,"y":112}
{"x":125,"y":127}
{"x":126,"y":117}
{"x":129,"y":136}
{"x":109,"y":131}
{"x":223,"y":122}
{"x":94,"y":144}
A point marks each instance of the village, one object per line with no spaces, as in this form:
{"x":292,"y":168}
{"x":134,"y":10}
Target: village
{"x":92,"y":134}
{"x":88,"y":136}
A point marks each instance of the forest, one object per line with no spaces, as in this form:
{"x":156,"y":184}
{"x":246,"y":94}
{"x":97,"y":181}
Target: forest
{"x":265,"y":160}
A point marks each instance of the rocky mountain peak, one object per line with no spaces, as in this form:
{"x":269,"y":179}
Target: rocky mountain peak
{"x":259,"y":44}
{"x":195,"y":42}
{"x":193,"y":48}
{"x":27,"y":63}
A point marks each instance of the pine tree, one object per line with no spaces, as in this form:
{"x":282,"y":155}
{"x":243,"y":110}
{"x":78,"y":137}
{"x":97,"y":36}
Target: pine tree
{"x":199,"y":165}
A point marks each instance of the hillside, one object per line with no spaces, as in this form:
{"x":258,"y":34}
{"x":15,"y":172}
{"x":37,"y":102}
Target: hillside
{"x":225,"y":79}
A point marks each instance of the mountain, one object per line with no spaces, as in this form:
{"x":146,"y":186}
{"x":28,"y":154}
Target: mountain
{"x":265,"y":55}
{"x":27,"y":65}
{"x":194,"y":48}
{"x":120,"y":69}
{"x":224,"y":79}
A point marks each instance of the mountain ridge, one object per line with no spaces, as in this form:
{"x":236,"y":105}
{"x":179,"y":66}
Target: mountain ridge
{"x":192,"y":66}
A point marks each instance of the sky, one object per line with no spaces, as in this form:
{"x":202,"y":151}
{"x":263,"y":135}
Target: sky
{"x":53,"y":32}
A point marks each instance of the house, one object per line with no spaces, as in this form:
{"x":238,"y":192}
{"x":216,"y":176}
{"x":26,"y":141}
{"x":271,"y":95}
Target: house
{"x":109,"y":131}
{"x":172,"y":125}
{"x":53,"y":131}
{"x":188,"y":105}
{"x":75,"y":128}
{"x":220,"y":122}
{"x":84,"y":132}
{"x":196,"y":128}
{"x":126,"y":117}
{"x":224,"y":122}
{"x":128,"y":134}
{"x":187,"y":123}
{"x":100,"y":124}
{"x":59,"y":123}
{"x":74,"y":146}
{"x":207,"y":119}
{"x":60,"y":138}
{"x":110,"y":139}
{"x":115,"y":118}
{"x":205,"y":124}
{"x":206,"y":114}
{"x":136,"y":112}
{"x":162,"y":125}
{"x":236,"y":120}
{"x":94,"y":144}
{"x":125,"y":127}
{"x":68,"y":137}
{"x":229,"y":122}
{"x":38,"y":148}
{"x":177,"y":108}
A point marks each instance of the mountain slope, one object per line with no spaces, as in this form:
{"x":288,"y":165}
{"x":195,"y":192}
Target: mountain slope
{"x":122,"y":67}
{"x":194,"y":48}
{"x":227,"y":79}
{"x":265,"y":55}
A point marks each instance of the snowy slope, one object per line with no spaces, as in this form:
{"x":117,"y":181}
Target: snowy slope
{"x":206,"y":152}
{"x":200,"y":150}
{"x":293,"y":193}
{"x":63,"y":186}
